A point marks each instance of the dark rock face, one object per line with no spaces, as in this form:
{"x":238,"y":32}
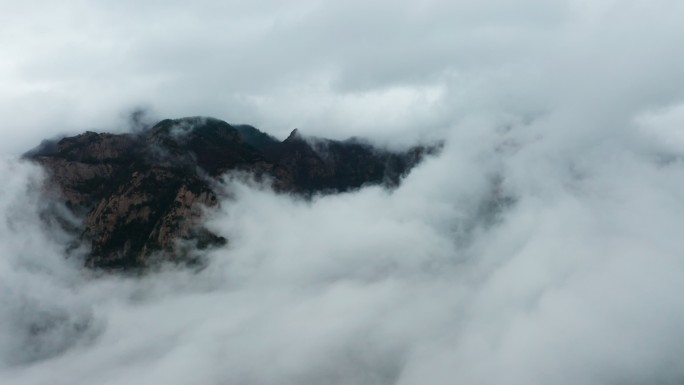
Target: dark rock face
{"x":142,"y":194}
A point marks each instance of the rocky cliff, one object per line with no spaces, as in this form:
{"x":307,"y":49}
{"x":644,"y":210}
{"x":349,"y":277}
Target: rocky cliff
{"x":142,"y":194}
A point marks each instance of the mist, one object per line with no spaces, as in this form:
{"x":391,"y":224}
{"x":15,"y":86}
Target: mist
{"x":541,"y":246}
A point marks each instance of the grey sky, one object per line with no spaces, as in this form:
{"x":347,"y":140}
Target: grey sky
{"x":380,"y":68}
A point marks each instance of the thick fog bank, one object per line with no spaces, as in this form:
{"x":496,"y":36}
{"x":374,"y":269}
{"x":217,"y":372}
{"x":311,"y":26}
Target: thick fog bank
{"x":518,"y":255}
{"x":542,"y":246}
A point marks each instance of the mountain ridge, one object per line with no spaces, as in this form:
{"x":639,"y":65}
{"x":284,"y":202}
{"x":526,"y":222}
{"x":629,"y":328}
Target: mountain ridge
{"x":141,"y":194}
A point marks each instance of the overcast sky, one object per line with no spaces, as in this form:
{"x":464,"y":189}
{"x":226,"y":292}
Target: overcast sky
{"x":573,"y":110}
{"x":385,"y":69}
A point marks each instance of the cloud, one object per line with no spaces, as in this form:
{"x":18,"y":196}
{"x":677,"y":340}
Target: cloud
{"x":77,"y":66}
{"x":540,"y":247}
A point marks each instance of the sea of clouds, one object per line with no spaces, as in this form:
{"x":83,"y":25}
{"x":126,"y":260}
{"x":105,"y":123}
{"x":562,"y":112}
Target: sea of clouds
{"x":543,"y":244}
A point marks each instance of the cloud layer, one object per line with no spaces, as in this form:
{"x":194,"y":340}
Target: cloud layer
{"x":382,"y":69}
{"x":541,"y":246}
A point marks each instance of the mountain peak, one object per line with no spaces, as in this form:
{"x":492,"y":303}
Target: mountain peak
{"x":143,"y":193}
{"x":294,"y":135}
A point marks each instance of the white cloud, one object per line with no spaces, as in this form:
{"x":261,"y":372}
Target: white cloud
{"x":541,"y":246}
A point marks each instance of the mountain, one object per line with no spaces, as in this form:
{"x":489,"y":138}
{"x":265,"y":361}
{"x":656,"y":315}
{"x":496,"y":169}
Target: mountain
{"x":141,"y":194}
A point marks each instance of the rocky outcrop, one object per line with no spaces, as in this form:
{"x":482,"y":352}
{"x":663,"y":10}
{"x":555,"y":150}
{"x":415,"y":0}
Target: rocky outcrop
{"x":142,"y":194}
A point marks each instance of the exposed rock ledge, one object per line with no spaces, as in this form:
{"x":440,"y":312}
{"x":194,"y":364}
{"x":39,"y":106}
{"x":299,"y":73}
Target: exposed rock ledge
{"x":141,"y":193}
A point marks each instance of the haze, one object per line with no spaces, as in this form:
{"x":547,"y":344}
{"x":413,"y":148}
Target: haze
{"x":541,"y":246}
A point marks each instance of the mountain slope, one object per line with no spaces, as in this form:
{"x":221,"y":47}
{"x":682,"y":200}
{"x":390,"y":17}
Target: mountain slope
{"x":142,"y":194}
